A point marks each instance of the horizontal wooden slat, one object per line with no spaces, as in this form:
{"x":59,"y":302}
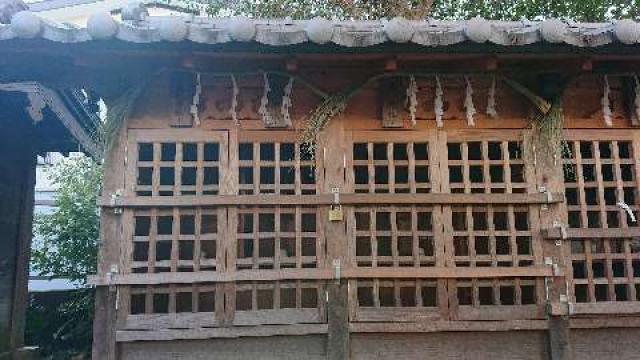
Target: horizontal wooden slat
{"x":447,"y":273}
{"x":500,"y":312}
{"x":321,"y":274}
{"x":608,"y":307}
{"x":168,"y":321}
{"x":277,"y":317}
{"x":605,"y":321}
{"x":437,"y":326}
{"x":397,"y":314}
{"x":345,"y":199}
{"x":556,"y":233}
{"x":226,"y":332}
{"x":212,"y":277}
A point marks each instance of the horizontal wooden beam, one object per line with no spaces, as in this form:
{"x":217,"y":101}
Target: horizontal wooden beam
{"x":605,"y":308}
{"x":608,"y":321}
{"x":428,"y":326}
{"x":321,"y":274}
{"x":556,"y":233}
{"x":345,"y":199}
{"x":226,"y":332}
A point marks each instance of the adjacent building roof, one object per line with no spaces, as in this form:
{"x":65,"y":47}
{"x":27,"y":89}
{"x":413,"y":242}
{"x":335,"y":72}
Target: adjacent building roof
{"x":138,"y":28}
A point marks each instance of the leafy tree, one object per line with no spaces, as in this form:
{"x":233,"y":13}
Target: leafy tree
{"x":68,"y":236}
{"x":579,"y":10}
{"x":66,"y":247}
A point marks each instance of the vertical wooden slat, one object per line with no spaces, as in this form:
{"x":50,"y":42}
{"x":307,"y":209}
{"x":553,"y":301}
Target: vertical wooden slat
{"x":549,"y":173}
{"x":338,"y":339}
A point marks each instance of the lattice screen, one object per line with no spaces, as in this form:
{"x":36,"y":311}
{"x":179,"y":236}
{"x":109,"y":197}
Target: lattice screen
{"x":601,"y":180}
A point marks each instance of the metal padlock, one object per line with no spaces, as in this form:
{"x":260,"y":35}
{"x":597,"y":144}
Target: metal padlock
{"x":335,"y":213}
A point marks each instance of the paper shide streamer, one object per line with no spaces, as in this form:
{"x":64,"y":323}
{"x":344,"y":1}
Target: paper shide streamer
{"x":468,"y":103}
{"x":606,"y":103}
{"x":234,"y":100}
{"x":196,"y":101}
{"x":264,"y":102}
{"x":286,"y":102}
{"x":491,"y":100}
{"x":412,"y":99}
{"x":438,"y":103}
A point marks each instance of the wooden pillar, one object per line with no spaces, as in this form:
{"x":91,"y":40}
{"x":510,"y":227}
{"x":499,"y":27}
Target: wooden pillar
{"x":104,"y":323}
{"x":17,"y":184}
{"x":550,"y":178}
{"x":559,"y":341}
{"x":333,"y":147}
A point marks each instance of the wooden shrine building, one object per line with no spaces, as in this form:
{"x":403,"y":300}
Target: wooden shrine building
{"x":282,"y":189}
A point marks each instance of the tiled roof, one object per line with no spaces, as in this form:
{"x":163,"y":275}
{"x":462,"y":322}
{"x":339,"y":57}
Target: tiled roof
{"x":138,"y":28}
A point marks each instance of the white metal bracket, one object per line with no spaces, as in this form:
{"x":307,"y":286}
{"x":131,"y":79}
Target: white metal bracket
{"x":113,"y":202}
{"x":337,"y":268}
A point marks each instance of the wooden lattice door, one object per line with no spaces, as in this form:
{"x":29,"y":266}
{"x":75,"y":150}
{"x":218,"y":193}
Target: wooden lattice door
{"x":470,"y":233}
{"x":601,"y":184}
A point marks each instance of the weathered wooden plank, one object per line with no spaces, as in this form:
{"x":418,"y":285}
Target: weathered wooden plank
{"x":209,"y":333}
{"x":428,"y":326}
{"x":277,"y":317}
{"x":605,"y":308}
{"x":325,"y":199}
{"x":322,"y":274}
{"x":593,"y":233}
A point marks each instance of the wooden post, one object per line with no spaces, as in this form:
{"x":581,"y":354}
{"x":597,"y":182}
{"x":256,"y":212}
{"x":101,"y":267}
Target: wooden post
{"x":104,"y":324}
{"x":550,"y":178}
{"x":333,"y":147}
{"x":559,"y":341}
{"x":17,"y":183}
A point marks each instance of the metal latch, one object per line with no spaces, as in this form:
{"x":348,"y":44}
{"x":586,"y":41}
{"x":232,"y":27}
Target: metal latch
{"x":335,"y":211}
{"x":563,"y":232}
{"x":549,"y":197}
{"x":113,"y":202}
{"x":337,"y":268}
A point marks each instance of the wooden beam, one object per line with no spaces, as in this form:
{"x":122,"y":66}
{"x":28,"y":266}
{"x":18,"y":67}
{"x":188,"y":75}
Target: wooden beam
{"x":556,"y":233}
{"x":605,"y":308}
{"x":321,"y":274}
{"x":326,"y":199}
{"x":559,"y":340}
{"x":429,"y":326}
{"x":226,"y":332}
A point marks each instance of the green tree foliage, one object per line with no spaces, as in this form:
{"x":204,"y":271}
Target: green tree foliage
{"x":67,"y":237}
{"x":66,"y":246}
{"x":578,"y":10}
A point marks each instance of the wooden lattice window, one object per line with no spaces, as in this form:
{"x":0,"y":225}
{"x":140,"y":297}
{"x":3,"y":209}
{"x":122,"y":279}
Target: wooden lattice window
{"x":278,"y":302}
{"x":391,"y":167}
{"x":276,"y":168}
{"x":182,"y":240}
{"x":598,"y":176}
{"x":491,"y":236}
{"x":397,"y":300}
{"x":152,"y":307}
{"x":166,"y":166}
{"x":606,"y":269}
{"x":276,"y":238}
{"x":381,"y":293}
{"x":393,"y":236}
{"x":486,"y":167}
{"x":480,"y":292}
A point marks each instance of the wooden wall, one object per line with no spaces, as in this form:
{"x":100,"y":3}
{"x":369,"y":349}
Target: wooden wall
{"x":427,"y":268}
